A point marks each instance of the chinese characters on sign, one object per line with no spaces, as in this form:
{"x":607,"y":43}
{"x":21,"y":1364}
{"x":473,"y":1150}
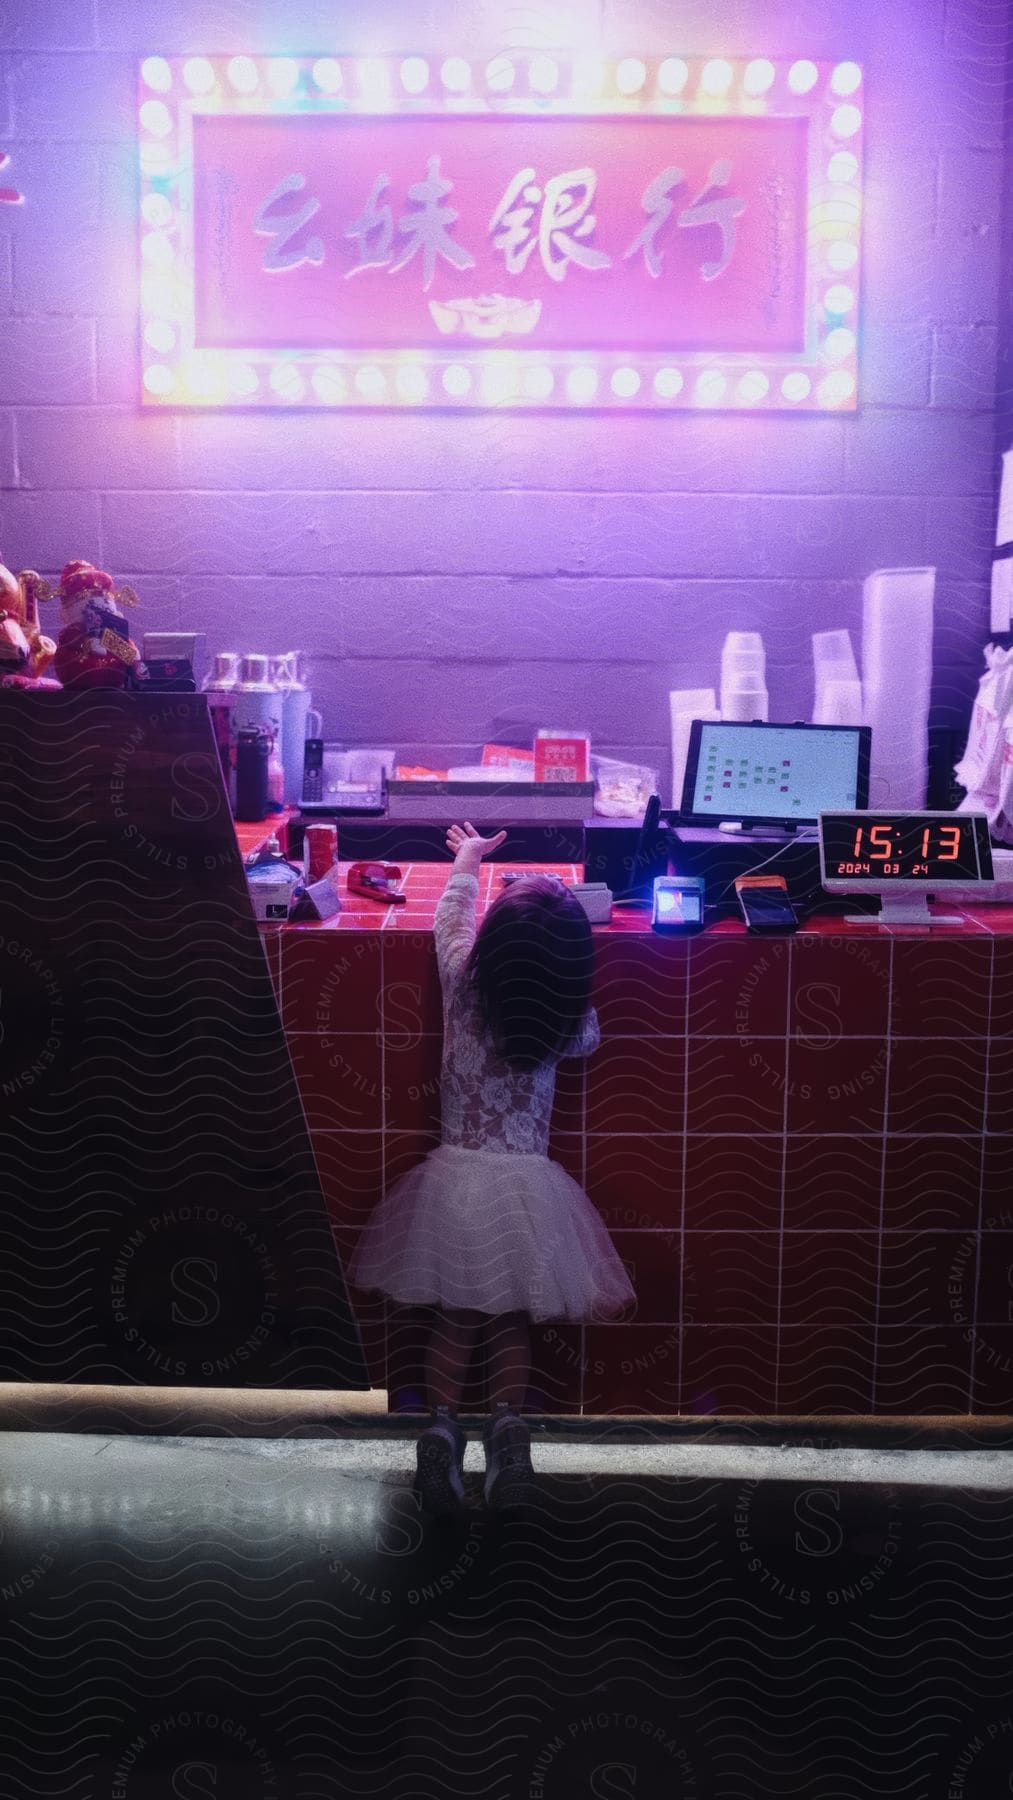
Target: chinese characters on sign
{"x":565,"y":223}
{"x":562,"y":231}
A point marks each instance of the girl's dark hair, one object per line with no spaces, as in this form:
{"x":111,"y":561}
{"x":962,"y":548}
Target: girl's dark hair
{"x":530,"y":970}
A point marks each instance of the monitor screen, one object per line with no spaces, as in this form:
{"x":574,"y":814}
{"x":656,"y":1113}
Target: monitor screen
{"x":773,"y":773}
{"x":857,"y":849}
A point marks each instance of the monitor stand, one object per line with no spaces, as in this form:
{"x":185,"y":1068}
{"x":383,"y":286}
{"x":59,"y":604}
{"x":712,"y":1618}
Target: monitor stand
{"x":902,"y":909}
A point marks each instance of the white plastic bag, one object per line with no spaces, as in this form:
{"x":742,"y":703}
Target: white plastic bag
{"x":1001,"y":825}
{"x":980,"y":766}
{"x":622,"y":789}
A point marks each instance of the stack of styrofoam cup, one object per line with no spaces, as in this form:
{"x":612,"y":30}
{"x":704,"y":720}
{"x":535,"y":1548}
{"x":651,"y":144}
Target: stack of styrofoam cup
{"x":838,"y":698}
{"x":896,"y":682}
{"x":687,"y":704}
{"x":841,"y":703}
{"x":745,"y":698}
{"x":744,"y":677}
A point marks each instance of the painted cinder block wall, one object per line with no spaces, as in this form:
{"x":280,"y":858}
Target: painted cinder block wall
{"x":457,"y":577}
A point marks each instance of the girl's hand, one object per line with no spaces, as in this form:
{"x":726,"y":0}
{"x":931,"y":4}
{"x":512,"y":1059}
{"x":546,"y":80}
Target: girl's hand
{"x":469,"y":848}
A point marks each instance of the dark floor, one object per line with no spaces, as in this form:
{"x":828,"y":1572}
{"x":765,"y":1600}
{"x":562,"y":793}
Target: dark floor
{"x":267,"y":1620}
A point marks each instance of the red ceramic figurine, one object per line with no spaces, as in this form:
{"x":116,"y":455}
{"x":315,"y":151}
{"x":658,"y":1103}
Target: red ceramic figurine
{"x":94,"y":648}
{"x":25,"y":653}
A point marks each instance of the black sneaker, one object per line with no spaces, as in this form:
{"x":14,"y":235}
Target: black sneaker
{"x":439,"y":1472}
{"x":509,"y":1477}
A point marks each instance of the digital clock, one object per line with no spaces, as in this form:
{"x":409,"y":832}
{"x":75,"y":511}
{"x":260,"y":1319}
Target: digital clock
{"x":903,"y":857}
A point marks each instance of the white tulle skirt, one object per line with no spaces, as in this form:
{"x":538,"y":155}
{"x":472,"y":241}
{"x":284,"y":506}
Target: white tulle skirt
{"x":493,"y":1232}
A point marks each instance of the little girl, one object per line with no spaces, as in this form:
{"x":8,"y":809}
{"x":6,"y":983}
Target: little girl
{"x":487,"y":1229}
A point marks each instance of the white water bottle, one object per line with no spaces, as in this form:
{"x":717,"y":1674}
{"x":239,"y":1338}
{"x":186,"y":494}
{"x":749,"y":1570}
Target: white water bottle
{"x":296,"y":702}
{"x":256,"y":700}
{"x":220,"y":688}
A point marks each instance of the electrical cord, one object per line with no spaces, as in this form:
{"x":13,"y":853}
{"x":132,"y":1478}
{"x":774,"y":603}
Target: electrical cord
{"x":798,"y":838}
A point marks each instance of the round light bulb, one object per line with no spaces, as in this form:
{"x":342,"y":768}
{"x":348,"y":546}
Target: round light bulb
{"x":836,"y":388}
{"x":588,"y":76}
{"x":625,"y":383}
{"x":500,"y":75}
{"x":374,"y":78}
{"x":158,"y":379}
{"x":668,"y":383}
{"x":839,"y":299}
{"x":711,"y":387}
{"x":244,"y":74}
{"x":415,"y":75}
{"x":287,"y":382}
{"x":543,"y":74}
{"x":456,"y":74}
{"x":754,"y":387}
{"x":457,"y":381}
{"x":759,"y":76}
{"x":156,"y":210}
{"x":157,"y":250}
{"x":846,"y":79}
{"x":282,"y":76}
{"x":412,"y":382}
{"x":582,"y":383}
{"x":205,"y":377}
{"x":160,"y":335}
{"x":329,"y":386}
{"x":716,"y":76}
{"x":803,"y":76}
{"x":156,"y":118}
{"x":538,"y":382}
{"x":846,"y":121}
{"x":796,"y":386}
{"x":371,"y":383}
{"x":839,"y":344}
{"x":156,"y":74}
{"x":842,"y":167}
{"x":630,"y":75}
{"x":327,"y":75}
{"x":243,"y":380}
{"x":842,"y":255}
{"x":673,"y":75}
{"x":498,"y":383}
{"x":198,"y":75}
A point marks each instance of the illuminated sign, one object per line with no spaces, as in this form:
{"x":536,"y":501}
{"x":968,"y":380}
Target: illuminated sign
{"x":530,"y":232}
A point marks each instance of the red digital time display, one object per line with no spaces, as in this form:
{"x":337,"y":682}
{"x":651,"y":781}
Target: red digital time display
{"x":928,"y":847}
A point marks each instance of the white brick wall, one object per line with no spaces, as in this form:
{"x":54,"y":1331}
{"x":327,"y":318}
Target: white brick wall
{"x":454,"y":575}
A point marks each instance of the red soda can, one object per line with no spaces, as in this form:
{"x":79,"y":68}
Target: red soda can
{"x":321,"y":850}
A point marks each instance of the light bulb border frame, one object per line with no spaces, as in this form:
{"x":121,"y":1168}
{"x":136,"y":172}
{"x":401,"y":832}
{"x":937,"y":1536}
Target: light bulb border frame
{"x":834,"y":217}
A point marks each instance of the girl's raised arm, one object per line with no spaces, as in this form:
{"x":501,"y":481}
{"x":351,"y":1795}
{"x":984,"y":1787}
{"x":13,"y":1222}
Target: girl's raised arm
{"x":454,"y":924}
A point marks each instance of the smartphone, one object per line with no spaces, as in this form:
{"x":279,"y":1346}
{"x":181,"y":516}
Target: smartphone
{"x":764,"y":903}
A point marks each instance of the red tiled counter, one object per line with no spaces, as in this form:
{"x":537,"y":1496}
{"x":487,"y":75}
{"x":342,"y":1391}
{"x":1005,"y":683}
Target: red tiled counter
{"x":803,"y":1148}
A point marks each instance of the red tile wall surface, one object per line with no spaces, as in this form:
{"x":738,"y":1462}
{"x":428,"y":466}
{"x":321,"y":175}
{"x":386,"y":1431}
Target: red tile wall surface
{"x":803,"y":1149}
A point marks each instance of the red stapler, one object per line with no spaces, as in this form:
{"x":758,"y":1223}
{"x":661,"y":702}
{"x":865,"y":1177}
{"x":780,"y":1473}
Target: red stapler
{"x":373,"y":881}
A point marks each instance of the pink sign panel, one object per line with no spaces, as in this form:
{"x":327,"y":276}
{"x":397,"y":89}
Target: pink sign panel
{"x":313,"y":236}
{"x":661,"y":233}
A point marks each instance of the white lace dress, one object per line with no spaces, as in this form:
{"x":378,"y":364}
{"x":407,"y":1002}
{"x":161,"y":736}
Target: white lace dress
{"x":489,"y":1221}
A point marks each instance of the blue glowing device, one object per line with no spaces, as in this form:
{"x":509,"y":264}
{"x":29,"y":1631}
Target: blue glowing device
{"x":678,"y":904}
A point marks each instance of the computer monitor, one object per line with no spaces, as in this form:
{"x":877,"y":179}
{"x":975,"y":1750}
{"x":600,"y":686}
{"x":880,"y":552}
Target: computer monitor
{"x":782,"y":775}
{"x":903,"y":857}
